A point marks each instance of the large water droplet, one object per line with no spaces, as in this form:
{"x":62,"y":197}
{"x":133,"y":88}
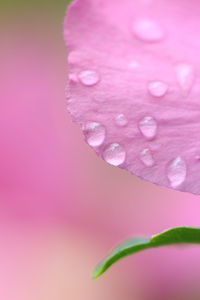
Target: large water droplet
{"x":147,"y":158}
{"x":157,"y":88}
{"x":148,"y":30}
{"x":114,"y":154}
{"x":148,"y":127}
{"x":121,"y":120}
{"x":176,"y":172}
{"x":89,"y":77}
{"x":185,"y":75}
{"x":95,"y":133}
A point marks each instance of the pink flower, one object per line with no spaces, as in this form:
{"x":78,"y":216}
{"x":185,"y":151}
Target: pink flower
{"x":134,"y":87}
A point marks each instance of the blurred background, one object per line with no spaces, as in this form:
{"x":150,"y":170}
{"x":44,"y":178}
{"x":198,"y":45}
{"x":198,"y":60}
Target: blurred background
{"x":61,"y":207}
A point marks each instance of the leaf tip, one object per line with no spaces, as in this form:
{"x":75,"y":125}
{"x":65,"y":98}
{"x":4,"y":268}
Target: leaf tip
{"x":98,"y":271}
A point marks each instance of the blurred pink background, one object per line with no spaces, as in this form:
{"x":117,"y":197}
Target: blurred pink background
{"x":61,"y":207}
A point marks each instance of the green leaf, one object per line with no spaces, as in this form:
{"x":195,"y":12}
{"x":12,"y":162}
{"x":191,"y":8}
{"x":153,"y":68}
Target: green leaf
{"x":175,"y":235}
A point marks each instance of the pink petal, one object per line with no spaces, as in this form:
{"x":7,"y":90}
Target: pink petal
{"x":134,"y":72}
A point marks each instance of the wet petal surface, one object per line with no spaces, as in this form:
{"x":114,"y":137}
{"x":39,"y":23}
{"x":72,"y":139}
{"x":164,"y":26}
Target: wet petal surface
{"x":134,"y":71}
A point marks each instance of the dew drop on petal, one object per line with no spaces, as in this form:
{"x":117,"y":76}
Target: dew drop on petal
{"x":121,"y":120}
{"x":148,"y":127}
{"x":95,"y":133}
{"x":114,"y":154}
{"x":148,"y":30}
{"x":89,"y":77}
{"x":176,"y":172}
{"x":147,"y":158}
{"x":185,"y":75}
{"x":157,"y":88}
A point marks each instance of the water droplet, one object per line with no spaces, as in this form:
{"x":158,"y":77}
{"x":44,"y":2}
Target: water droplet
{"x":89,"y":77}
{"x":121,"y":120}
{"x":157,"y":88}
{"x":148,"y":30}
{"x":95,"y":133}
{"x":176,"y":172}
{"x":148,"y":127}
{"x":147,"y":158}
{"x":114,"y":154}
{"x":185,"y":75}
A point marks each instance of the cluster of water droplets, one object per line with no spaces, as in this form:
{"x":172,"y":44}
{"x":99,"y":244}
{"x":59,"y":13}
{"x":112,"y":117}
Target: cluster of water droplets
{"x":150,"y":31}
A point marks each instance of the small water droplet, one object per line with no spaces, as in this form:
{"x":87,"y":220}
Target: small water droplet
{"x":157,"y":88}
{"x":147,"y":158}
{"x":176,"y":172}
{"x":89,"y":77}
{"x":148,"y":30}
{"x":121,"y":120}
{"x":185,"y":75}
{"x":95,"y":133}
{"x":114,"y":154}
{"x":148,"y":127}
